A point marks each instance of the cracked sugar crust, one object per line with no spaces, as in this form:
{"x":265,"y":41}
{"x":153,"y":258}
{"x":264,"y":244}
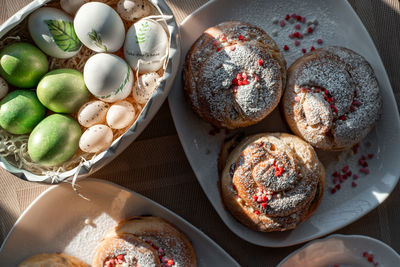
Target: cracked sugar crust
{"x":214,"y":61}
{"x":250,"y":175}
{"x":332,"y":98}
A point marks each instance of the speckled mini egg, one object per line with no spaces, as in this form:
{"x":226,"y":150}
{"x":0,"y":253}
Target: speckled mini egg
{"x":133,"y":9}
{"x":53,"y":32}
{"x":3,"y":88}
{"x":96,"y":139}
{"x":145,"y":86}
{"x":71,"y":6}
{"x":93,"y":112}
{"x":146,"y":46}
{"x":99,"y":27}
{"x":108,"y":77}
{"x":120,"y":115}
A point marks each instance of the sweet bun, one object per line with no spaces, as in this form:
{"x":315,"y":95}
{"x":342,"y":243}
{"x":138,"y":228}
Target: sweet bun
{"x":332,"y":98}
{"x":170,"y":244}
{"x":234,"y":75}
{"x":272,"y":182}
{"x":52,"y":260}
{"x":124,"y":250}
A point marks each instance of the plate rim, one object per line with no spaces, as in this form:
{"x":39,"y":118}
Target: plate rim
{"x":121,"y":188}
{"x":393,"y":102}
{"x":342,"y":237}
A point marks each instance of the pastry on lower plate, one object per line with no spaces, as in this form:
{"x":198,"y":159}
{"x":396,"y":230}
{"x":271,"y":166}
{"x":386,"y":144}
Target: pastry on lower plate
{"x":234,"y":75}
{"x":52,"y":260}
{"x":332,"y":98}
{"x":272,"y":182}
{"x":171,"y":247}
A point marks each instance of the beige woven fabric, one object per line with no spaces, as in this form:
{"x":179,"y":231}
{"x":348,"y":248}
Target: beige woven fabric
{"x":147,"y":167}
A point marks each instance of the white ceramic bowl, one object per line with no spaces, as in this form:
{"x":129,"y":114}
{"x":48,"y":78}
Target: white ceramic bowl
{"x":344,"y":250}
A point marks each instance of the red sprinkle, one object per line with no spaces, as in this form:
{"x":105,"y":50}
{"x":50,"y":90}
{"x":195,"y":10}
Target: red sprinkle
{"x":353,"y":184}
{"x":298,"y":18}
{"x":241,"y":37}
{"x":297,"y":26}
{"x":312,"y":48}
{"x":370,"y":258}
{"x":296,"y":42}
{"x":294,"y":15}
{"x":337,"y":186}
{"x":282,"y":23}
{"x":355,"y":176}
{"x":239,"y":83}
{"x":120,"y":257}
{"x":303,"y":19}
{"x":285,"y":47}
{"x":335,"y":180}
{"x":365,"y":254}
{"x":278,"y":171}
{"x":260,"y":62}
{"x":370,"y":156}
{"x":257,"y":212}
{"x":287,"y":17}
{"x":349,"y":173}
{"x":310,"y":30}
{"x":342,"y":118}
{"x":333,"y":190}
{"x":218,"y":49}
{"x":296,"y":34}
{"x":255,"y":197}
{"x":335,"y":174}
{"x":264,"y":204}
{"x":170,"y":262}
{"x":245,"y":82}
{"x":345,"y":168}
{"x":291,"y":35}
{"x":319,"y":41}
{"x":303,"y":50}
{"x":364,"y":170}
{"x":223,"y":38}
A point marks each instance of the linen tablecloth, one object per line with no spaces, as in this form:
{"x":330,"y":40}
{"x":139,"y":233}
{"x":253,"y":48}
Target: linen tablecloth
{"x":148,"y":168}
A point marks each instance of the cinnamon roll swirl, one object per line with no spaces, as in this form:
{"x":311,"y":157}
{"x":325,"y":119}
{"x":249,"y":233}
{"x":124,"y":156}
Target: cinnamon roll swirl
{"x":234,"y":75}
{"x":172,"y":246}
{"x":124,"y":250}
{"x":332,"y":98}
{"x":272,"y":182}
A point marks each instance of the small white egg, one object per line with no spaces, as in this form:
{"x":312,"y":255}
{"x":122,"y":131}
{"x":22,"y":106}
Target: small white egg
{"x":133,"y":9}
{"x":3,"y":88}
{"x":145,"y":86}
{"x":71,"y":6}
{"x":146,"y":46}
{"x":99,"y":27}
{"x":120,"y":115}
{"x":53,"y":32}
{"x":96,"y":139}
{"x":93,"y":112}
{"x":108,"y":77}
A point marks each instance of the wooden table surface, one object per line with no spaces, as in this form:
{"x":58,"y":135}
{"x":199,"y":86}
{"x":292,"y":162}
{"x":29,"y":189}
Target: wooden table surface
{"x":160,"y":177}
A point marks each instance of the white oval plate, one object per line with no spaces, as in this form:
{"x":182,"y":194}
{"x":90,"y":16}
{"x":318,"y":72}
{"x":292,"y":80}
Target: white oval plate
{"x":338,"y":25}
{"x":344,"y":250}
{"x":55,"y":222}
{"x":146,"y":115}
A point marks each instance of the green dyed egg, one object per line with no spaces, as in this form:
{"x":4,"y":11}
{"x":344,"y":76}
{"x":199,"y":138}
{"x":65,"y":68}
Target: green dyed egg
{"x":63,"y":90}
{"x":20,"y":112}
{"x":54,"y":140}
{"x":23,"y":64}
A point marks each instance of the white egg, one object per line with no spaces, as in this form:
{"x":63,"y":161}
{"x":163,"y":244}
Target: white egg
{"x":53,"y":32}
{"x":96,"y":139}
{"x":99,"y":27}
{"x":71,"y":6}
{"x":133,"y":9}
{"x":146,"y":46}
{"x":3,"y":88}
{"x":120,"y":115}
{"x":145,"y":86}
{"x":108,"y":77}
{"x":93,"y":112}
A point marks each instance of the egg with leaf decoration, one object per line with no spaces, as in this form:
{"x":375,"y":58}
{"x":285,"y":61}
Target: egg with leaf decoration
{"x":99,"y":27}
{"x":53,"y":32}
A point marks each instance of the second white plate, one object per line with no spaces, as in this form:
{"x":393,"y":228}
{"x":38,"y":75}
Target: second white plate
{"x":338,"y":25}
{"x":55,"y":222}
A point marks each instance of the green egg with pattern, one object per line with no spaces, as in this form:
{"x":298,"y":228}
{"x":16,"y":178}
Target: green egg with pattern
{"x":54,"y":140}
{"x":63,"y":90}
{"x":20,"y":112}
{"x":23,"y":64}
